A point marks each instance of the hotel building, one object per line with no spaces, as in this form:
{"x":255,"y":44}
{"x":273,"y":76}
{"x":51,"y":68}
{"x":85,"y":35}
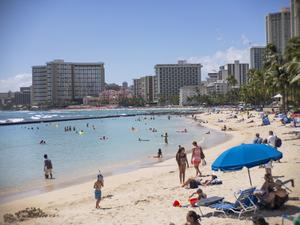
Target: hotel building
{"x":278,"y":29}
{"x":171,"y":77}
{"x":257,"y":57}
{"x":60,"y":82}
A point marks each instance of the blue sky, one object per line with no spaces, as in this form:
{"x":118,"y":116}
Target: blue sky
{"x":129,"y":36}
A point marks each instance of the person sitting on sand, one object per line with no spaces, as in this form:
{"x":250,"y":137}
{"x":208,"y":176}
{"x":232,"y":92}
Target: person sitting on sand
{"x":192,"y":218}
{"x":97,"y":186}
{"x":270,"y":192}
{"x":200,"y":194}
{"x":182,"y":162}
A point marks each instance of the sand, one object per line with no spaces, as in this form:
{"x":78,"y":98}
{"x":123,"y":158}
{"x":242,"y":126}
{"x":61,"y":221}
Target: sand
{"x":145,"y":196}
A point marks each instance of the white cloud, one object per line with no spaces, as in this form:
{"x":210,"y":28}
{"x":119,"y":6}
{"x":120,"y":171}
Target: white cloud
{"x":245,"y":40}
{"x":220,"y":58}
{"x":14,"y":83}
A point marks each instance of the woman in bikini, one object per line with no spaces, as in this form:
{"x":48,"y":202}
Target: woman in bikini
{"x":196,"y":157}
{"x":182,"y":163}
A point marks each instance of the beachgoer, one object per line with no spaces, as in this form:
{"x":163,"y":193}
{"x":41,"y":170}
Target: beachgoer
{"x":47,"y":167}
{"x":182,"y":163}
{"x":192,"y":182}
{"x":272,"y":139}
{"x":97,"y":186}
{"x":259,"y":220}
{"x":200,"y":194}
{"x":166,"y":138}
{"x":159,"y":154}
{"x":196,"y":157}
{"x":267,"y":193}
{"x":192,"y":218}
{"x":257,"y":139}
{"x":224,"y":128}
{"x":213,"y":180}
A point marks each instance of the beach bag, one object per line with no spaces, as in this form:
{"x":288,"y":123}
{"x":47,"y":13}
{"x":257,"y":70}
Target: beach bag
{"x":202,"y":156}
{"x":203,"y":162}
{"x":278,"y":142}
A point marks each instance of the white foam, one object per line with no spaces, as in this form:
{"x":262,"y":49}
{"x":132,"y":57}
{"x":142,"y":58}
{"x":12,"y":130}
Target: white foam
{"x":14,"y":120}
{"x":35,"y":117}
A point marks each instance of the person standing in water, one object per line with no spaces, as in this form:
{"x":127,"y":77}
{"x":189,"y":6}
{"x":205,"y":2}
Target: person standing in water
{"x":166,"y":137}
{"x":47,"y":167}
{"x":97,"y":186}
{"x":182,"y":163}
{"x":159,"y":154}
{"x":196,"y":157}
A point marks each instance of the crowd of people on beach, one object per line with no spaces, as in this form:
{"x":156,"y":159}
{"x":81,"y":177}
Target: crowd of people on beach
{"x":271,"y":193}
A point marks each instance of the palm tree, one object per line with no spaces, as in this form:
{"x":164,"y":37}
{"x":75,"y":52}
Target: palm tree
{"x":277,"y":76}
{"x":292,"y":66}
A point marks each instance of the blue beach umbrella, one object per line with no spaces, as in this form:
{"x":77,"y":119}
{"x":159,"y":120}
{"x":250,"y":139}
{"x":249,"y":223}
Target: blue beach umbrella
{"x":245,"y":155}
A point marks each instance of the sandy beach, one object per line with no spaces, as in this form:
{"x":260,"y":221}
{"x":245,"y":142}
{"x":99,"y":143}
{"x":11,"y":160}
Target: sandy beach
{"x":145,"y":196}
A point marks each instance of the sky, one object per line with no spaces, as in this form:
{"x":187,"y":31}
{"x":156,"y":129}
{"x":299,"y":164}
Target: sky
{"x":129,"y":36}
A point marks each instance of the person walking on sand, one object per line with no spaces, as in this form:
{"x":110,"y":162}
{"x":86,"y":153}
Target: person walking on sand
{"x":47,"y":167}
{"x":196,"y":157}
{"x":97,"y":186}
{"x":182,"y":163}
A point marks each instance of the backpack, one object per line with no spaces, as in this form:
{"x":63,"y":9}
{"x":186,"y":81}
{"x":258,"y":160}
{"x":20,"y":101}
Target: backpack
{"x":278,"y":142}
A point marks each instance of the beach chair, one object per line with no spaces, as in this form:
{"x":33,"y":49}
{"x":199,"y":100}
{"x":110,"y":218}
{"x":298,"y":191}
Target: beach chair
{"x":245,"y":202}
{"x":206,"y":202}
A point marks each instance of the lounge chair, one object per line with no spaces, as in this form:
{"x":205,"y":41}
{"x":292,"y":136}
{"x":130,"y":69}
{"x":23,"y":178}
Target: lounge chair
{"x":245,"y":202}
{"x":208,"y":201}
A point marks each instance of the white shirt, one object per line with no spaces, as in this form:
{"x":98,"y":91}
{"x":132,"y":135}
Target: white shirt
{"x":271,"y":140}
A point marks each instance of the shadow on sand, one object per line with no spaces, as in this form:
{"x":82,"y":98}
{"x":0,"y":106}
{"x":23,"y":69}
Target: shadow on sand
{"x":286,"y":210}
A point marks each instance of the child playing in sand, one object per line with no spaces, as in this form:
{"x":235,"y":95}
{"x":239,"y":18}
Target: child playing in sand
{"x":200,"y":194}
{"x":98,"y":185}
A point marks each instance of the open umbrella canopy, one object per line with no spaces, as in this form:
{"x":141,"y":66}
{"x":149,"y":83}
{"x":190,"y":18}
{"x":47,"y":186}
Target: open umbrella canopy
{"x":245,"y":155}
{"x":277,"y":96}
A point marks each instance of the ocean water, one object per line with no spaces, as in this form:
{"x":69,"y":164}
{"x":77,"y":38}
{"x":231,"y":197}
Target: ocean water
{"x":77,"y":156}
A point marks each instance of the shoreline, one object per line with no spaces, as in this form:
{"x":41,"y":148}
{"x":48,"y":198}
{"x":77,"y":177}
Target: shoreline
{"x":145,"y":196}
{"x":124,"y":168}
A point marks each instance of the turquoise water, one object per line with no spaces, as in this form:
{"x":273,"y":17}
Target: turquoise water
{"x":77,"y":158}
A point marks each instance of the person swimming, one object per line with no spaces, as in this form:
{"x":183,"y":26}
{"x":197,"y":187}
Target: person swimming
{"x":143,"y":139}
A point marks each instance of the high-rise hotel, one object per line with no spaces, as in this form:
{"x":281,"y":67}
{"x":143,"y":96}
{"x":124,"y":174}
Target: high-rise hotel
{"x":60,"y":82}
{"x":171,"y":77}
{"x":278,"y":29}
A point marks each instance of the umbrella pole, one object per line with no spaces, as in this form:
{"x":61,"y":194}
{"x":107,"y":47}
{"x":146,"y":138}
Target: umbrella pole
{"x":249,"y":177}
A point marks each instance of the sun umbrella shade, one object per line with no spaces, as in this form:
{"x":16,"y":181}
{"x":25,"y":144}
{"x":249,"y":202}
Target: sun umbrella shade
{"x":245,"y":155}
